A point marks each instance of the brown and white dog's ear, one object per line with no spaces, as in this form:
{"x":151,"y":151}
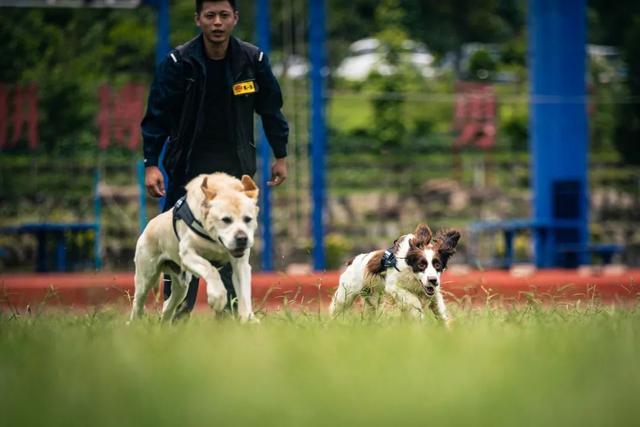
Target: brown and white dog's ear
{"x":209,"y":194}
{"x":250,"y":187}
{"x":422,"y":236}
{"x":447,"y":240}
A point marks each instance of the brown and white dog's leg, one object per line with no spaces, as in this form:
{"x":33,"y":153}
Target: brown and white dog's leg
{"x":341,"y":300}
{"x":348,"y":289}
{"x":372,"y":303}
{"x":405,"y":300}
{"x":438,"y":308}
{"x":241,"y":278}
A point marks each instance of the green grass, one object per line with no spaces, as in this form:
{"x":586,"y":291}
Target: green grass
{"x":524,"y":366}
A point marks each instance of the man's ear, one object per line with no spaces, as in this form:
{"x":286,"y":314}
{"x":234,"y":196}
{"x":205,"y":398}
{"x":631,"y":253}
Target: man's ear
{"x":209,"y":194}
{"x":422,"y":236}
{"x":250,"y":187}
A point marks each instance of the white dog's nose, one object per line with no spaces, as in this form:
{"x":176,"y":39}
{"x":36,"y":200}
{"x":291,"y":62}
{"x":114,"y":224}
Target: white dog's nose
{"x":433,"y":281}
{"x":241,"y":240}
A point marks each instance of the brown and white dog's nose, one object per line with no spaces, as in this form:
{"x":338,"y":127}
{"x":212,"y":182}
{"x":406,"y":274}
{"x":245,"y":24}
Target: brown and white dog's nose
{"x":241,"y":240}
{"x":433,"y":281}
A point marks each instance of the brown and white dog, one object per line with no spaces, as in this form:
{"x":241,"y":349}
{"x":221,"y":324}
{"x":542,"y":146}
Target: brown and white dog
{"x":409,"y":273}
{"x":219,"y":225}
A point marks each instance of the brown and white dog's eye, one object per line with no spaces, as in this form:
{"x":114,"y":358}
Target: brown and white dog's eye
{"x":227,"y":219}
{"x":437,"y":264}
{"x":422,"y":265}
{"x":247,"y":219}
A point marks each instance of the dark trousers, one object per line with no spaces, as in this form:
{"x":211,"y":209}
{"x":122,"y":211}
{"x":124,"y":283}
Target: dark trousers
{"x":174,"y":192}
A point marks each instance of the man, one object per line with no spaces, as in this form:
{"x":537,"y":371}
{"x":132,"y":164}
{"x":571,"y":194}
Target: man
{"x":203,"y":99}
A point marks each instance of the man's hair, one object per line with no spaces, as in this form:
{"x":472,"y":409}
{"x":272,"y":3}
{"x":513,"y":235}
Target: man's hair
{"x":199,"y":4}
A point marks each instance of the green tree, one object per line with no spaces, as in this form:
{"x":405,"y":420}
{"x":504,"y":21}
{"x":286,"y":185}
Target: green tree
{"x":68,"y":53}
{"x":620,"y":26}
{"x":627,"y":132}
{"x":389,"y":128}
{"x":481,"y":65}
{"x":446,"y":25}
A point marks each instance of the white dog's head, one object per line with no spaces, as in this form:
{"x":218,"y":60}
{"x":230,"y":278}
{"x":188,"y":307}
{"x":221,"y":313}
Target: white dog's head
{"x":230,"y":211}
{"x":427,"y":255}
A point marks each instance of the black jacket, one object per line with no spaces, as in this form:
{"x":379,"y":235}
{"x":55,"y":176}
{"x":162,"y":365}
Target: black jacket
{"x":174,"y":108}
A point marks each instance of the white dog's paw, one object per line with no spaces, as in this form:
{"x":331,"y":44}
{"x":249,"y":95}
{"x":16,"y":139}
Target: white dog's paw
{"x":250,"y":319}
{"x":217,"y":301}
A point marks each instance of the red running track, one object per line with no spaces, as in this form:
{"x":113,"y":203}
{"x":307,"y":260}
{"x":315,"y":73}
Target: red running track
{"x":276,"y":290}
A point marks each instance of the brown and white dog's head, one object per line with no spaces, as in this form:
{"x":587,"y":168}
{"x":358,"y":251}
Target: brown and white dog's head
{"x":427,"y":255}
{"x":229,"y":211}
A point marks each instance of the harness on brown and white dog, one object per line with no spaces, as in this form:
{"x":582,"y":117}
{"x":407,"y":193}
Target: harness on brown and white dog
{"x":182,"y":212}
{"x":389,"y":260}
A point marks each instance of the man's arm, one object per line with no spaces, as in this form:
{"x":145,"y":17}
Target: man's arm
{"x":276,"y":128}
{"x":164,"y":97}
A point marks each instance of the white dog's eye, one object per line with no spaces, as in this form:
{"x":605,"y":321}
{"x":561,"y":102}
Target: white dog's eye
{"x":227,"y":219}
{"x":247,"y":219}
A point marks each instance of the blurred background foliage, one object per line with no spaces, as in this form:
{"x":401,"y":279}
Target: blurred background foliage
{"x":70,"y":52}
{"x":384,"y":128}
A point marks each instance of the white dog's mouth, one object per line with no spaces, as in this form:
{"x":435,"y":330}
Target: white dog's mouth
{"x":429,"y":290}
{"x":237,"y":253}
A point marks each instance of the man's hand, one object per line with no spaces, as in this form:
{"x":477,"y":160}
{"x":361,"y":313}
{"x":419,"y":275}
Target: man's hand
{"x":154,"y":181}
{"x":278,"y":172}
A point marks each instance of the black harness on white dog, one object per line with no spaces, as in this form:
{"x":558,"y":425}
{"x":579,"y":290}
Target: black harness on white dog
{"x":181,"y":211}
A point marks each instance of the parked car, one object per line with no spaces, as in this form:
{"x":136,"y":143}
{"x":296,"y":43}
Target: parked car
{"x":368,"y":55}
{"x":606,"y":63}
{"x":294,"y":67}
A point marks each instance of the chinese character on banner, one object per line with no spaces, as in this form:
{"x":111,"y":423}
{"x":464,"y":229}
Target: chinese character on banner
{"x":475,"y":113}
{"x":25,"y":114}
{"x":120,"y":115}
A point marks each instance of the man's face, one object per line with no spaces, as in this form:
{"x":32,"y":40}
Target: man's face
{"x":216,"y":20}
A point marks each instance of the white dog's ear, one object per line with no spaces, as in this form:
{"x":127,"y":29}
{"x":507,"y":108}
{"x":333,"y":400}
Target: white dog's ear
{"x":209,"y":194}
{"x":250,"y":187}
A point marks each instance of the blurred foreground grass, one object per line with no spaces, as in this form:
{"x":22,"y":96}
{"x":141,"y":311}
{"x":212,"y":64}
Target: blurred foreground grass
{"x":523,"y":366}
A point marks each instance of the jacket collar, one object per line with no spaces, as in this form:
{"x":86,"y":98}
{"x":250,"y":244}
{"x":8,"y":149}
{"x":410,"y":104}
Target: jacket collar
{"x":236,"y":55}
{"x":238,"y":58}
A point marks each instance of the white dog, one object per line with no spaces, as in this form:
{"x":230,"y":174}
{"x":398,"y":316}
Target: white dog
{"x":409,"y":273}
{"x":215,"y":221}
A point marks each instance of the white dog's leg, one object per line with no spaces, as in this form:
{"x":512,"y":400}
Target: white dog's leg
{"x":405,"y":300}
{"x":241,"y":278}
{"x":349,"y":288}
{"x":179,"y":288}
{"x":438,"y":308}
{"x":194,"y":263}
{"x":146,"y":277}
{"x":214,"y":299}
